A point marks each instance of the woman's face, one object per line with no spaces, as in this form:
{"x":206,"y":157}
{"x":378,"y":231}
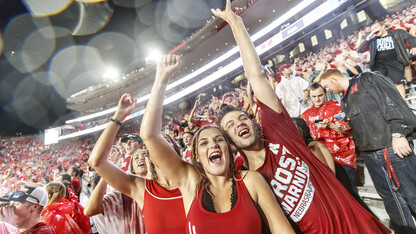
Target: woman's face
{"x":140,"y":162}
{"x":212,"y":152}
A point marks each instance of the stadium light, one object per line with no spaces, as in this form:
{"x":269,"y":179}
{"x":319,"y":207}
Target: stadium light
{"x":153,"y":56}
{"x":110,"y":74}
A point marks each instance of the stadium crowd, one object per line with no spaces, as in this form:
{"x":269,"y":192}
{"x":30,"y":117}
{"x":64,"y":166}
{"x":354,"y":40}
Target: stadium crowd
{"x":341,"y":54}
{"x":149,"y":184}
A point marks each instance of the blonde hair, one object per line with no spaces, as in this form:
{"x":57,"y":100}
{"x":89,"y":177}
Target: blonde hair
{"x":56,"y":192}
{"x":330,"y":73}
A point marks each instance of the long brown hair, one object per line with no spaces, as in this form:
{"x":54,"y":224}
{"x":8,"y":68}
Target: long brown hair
{"x":204,"y":181}
{"x":56,"y":192}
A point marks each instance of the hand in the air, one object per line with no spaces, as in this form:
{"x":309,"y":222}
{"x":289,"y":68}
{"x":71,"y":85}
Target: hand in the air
{"x":167,"y":66}
{"x":125,"y":107}
{"x":227,"y":14}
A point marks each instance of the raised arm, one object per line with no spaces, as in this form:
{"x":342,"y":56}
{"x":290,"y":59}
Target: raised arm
{"x":161,"y":153}
{"x":250,"y":97}
{"x":365,"y":45}
{"x":94,"y":204}
{"x":192,"y":114}
{"x":123,"y":182}
{"x":251,"y":61}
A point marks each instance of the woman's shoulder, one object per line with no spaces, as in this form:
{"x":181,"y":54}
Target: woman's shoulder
{"x":249,"y":176}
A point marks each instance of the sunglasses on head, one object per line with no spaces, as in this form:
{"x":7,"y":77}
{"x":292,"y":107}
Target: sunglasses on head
{"x":22,"y":196}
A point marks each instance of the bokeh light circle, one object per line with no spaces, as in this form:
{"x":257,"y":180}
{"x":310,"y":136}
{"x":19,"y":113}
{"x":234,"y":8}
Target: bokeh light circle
{"x":117,"y":50}
{"x":93,"y":17}
{"x":28,"y":42}
{"x":46,"y":7}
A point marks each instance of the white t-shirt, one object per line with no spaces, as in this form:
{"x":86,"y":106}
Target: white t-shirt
{"x":291,"y":92}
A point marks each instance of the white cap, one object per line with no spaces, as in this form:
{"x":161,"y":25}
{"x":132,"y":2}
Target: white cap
{"x":31,"y":194}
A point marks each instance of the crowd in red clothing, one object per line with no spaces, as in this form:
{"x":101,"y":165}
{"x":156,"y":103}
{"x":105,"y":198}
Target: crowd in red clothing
{"x":28,"y":159}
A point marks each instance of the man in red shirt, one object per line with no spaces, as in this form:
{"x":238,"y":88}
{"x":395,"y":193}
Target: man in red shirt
{"x":332,"y":131}
{"x":187,"y":136}
{"x":307,"y":190}
{"x":202,"y":120}
{"x":326,"y":129}
{"x":132,"y":142}
{"x":25,"y":209}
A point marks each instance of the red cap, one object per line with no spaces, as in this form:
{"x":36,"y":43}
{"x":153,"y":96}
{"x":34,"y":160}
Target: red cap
{"x":283,"y":67}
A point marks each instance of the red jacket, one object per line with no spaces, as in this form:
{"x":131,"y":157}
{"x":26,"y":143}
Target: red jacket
{"x":341,"y":145}
{"x":66,"y":217}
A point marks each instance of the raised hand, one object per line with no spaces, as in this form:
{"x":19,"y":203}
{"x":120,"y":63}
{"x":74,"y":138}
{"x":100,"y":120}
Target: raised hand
{"x":125,"y":107}
{"x":167,"y":66}
{"x":7,"y":214}
{"x":227,"y":14}
{"x":197,"y":102}
{"x":371,"y":35}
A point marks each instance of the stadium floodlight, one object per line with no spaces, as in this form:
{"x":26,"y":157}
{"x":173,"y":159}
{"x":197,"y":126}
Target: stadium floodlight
{"x":111,"y":74}
{"x":153,"y":56}
{"x":286,"y":16}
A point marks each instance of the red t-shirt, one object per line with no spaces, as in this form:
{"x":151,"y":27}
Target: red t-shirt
{"x":76,"y":185}
{"x":163,"y":210}
{"x":202,"y":123}
{"x":308,"y":192}
{"x":341,"y":146}
{"x":40,"y":228}
{"x":188,"y":154}
{"x":126,"y":163}
{"x":242,"y":218}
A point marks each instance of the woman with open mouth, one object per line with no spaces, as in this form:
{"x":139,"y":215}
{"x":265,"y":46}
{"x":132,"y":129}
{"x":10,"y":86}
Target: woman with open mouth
{"x":215,"y":195}
{"x":158,"y":198}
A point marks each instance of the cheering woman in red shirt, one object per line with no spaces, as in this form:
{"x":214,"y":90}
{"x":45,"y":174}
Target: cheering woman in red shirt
{"x":159,"y":199}
{"x":214,"y":194}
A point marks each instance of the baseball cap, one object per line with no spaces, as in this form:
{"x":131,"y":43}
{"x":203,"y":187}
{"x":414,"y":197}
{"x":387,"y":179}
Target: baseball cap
{"x":134,"y":137}
{"x":283,"y":67}
{"x":30,"y":194}
{"x":188,"y":130}
{"x":124,"y":138}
